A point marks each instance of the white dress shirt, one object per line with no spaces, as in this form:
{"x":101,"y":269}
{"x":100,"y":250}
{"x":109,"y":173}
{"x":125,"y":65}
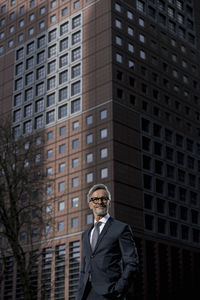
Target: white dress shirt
{"x":103,"y":222}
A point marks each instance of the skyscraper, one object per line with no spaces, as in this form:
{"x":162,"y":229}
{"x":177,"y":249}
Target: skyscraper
{"x":113,"y":86}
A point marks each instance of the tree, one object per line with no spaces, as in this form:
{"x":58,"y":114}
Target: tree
{"x":22,"y":206}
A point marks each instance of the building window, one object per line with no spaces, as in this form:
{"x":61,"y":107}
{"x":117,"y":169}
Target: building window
{"x":119,"y":58}
{"x":76,"y":22}
{"x":104,"y":133}
{"x":52,"y":18}
{"x":75,"y":182}
{"x":49,"y":153}
{"x":40,"y":89}
{"x":89,"y":138}
{"x":76,"y":4}
{"x":63,"y":94}
{"x":89,"y":120}
{"x":62,"y":130}
{"x":75,"y":144}
{"x":64,"y":28}
{"x":75,"y":125}
{"x":89,"y":177}
{"x":61,"y":167}
{"x":63,"y":44}
{"x":52,"y":51}
{"x":49,"y":135}
{"x":75,"y":106}
{"x":129,"y":15}
{"x":104,"y":152}
{"x":142,"y":54}
{"x":89,"y":219}
{"x":50,"y":99}
{"x":63,"y":77}
{"x":76,"y":71}
{"x":42,"y":10}
{"x":74,"y":223}
{"x":51,"y":66}
{"x":62,"y":111}
{"x":104,"y":173}
{"x":52,"y":35}
{"x":53,"y":3}
{"x":118,"y":23}
{"x":61,"y":205}
{"x":60,"y":226}
{"x":76,"y":37}
{"x":64,"y":11}
{"x":63,"y":60}
{"x":130,"y":31}
{"x":62,"y":148}
{"x":30,"y":63}
{"x":89,"y":158}
{"x":118,"y":7}
{"x":49,"y":171}
{"x":50,"y":117}
{"x":75,"y":202}
{"x":76,"y":54}
{"x":61,"y":186}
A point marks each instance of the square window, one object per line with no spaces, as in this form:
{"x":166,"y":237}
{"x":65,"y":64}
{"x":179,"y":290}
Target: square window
{"x":75,"y":182}
{"x":76,"y":37}
{"x":63,"y":44}
{"x":62,"y":148}
{"x":76,"y":71}
{"x":75,"y":125}
{"x":76,"y":4}
{"x":75,"y":201}
{"x":61,"y":187}
{"x":49,"y":171}
{"x":63,"y":94}
{"x":103,"y":114}
{"x":64,"y":28}
{"x":60,"y":226}
{"x":75,"y":163}
{"x":89,"y":158}
{"x":61,"y":205}
{"x":75,"y":144}
{"x":104,"y":133}
{"x":104,"y":173}
{"x":50,"y":117}
{"x":76,"y":54}
{"x":89,"y":120}
{"x":63,"y":77}
{"x":64,"y":11}
{"x":75,"y":106}
{"x":62,"y":130}
{"x":89,"y":219}
{"x":104,"y":152}
{"x":50,"y":100}
{"x":89,"y":138}
{"x":74,"y":223}
{"x":49,"y":153}
{"x":89,"y":177}
{"x":52,"y":18}
{"x":50,"y":136}
{"x":76,"y":21}
{"x":61,"y":167}
{"x":51,"y":66}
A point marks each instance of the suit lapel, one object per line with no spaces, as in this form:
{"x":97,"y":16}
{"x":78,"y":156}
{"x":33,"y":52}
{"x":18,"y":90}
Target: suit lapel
{"x":102,"y":234}
{"x":88,"y":238}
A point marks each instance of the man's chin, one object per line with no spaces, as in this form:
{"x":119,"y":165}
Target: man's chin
{"x":101,"y":212}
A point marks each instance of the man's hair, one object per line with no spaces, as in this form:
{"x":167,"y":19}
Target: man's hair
{"x":99,"y":186}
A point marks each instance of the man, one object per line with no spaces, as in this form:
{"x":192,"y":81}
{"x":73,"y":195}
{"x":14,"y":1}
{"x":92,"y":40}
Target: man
{"x":109,"y":255}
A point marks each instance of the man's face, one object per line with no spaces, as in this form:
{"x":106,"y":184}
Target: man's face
{"x":101,"y":208}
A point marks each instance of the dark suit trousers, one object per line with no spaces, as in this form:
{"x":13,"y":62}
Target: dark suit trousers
{"x":90,"y":294}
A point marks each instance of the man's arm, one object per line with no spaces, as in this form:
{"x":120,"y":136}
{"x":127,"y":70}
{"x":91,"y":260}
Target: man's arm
{"x":129,"y":258}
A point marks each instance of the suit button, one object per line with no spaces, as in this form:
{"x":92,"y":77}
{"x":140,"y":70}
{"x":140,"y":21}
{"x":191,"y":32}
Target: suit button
{"x":91,"y":256}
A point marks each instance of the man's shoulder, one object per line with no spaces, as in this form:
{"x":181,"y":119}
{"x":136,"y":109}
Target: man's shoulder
{"x":119,"y":223}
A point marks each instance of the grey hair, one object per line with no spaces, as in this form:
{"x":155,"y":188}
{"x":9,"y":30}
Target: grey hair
{"x":99,"y":186}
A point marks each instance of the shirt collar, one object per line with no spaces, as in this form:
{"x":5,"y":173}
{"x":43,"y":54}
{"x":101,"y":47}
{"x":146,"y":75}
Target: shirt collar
{"x":104,"y":219}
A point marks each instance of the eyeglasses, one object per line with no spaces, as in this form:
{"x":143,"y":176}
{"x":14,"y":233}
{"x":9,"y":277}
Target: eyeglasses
{"x":100,"y":199}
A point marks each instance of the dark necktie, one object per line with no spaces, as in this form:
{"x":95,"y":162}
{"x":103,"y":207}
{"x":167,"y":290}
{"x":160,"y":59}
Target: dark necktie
{"x":95,"y":235}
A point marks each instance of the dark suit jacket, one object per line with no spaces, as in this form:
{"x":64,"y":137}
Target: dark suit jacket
{"x":114,"y":261}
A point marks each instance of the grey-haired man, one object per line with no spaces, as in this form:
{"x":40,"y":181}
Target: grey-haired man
{"x":109,"y":255}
